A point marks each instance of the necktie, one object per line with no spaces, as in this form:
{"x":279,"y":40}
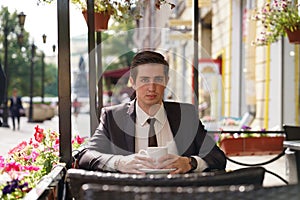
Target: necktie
{"x":152,"y":142}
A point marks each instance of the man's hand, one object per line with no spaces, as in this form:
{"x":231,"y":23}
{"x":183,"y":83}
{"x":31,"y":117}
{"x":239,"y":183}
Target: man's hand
{"x":134,"y":162}
{"x":173,"y":161}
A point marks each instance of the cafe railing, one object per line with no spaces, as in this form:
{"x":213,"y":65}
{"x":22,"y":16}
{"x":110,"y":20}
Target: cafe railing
{"x":263,"y":132}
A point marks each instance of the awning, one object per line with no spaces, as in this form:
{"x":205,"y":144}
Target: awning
{"x":116,"y":73}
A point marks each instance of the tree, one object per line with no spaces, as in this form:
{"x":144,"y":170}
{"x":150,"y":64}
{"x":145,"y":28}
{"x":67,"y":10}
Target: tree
{"x":15,"y":57}
{"x":19,"y":59}
{"x":124,"y":43}
{"x":51,"y":84}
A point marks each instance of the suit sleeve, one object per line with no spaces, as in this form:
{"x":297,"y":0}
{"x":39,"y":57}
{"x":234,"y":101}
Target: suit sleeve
{"x":209,"y":151}
{"x":98,"y":151}
{"x":203,"y":145}
{"x":192,"y":138}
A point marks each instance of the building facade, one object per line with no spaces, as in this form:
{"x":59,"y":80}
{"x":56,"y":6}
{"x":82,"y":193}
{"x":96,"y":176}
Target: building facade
{"x":257,"y":84}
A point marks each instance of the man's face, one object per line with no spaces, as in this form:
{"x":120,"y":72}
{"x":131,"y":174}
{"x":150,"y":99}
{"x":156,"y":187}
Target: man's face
{"x":15,"y":93}
{"x":150,"y":85}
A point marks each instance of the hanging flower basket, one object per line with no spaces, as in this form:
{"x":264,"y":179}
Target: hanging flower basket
{"x":294,"y":37}
{"x":100,"y":20}
{"x":276,"y":17}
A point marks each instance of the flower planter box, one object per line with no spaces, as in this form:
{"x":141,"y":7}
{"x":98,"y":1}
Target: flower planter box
{"x":252,"y":146}
{"x":41,"y":112}
{"x":40,"y":176}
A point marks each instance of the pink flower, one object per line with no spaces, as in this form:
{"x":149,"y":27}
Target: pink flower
{"x":2,"y":162}
{"x":39,"y":134}
{"x":39,"y":137}
{"x":18,"y":148}
{"x":79,"y":139}
{"x":38,"y":130}
{"x":13,"y":166}
{"x":56,"y":147}
{"x":32,"y":157}
{"x":32,"y":168}
{"x":53,"y":135}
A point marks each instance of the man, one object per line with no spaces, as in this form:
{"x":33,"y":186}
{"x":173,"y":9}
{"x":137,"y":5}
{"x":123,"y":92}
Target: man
{"x":15,"y":108}
{"x":123,"y":129}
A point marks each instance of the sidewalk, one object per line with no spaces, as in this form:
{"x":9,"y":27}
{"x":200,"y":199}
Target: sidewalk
{"x":10,"y":138}
{"x":80,"y":125}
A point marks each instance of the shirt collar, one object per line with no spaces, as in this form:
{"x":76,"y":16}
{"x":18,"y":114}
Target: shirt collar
{"x":142,"y":117}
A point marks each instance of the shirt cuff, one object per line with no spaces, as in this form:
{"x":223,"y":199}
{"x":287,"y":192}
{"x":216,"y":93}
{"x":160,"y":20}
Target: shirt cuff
{"x":111,"y":163}
{"x":201,"y":164}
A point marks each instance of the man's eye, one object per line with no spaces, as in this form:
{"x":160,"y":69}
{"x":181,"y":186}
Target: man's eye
{"x":158,"y":80}
{"x":145,"y":80}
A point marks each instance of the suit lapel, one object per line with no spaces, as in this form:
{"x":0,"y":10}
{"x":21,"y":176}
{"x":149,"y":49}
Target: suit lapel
{"x":174,"y":116}
{"x":175,"y":113}
{"x":129,"y":127}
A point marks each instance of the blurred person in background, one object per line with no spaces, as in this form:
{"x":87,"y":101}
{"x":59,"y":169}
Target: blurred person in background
{"x":16,"y":108}
{"x":76,"y":107}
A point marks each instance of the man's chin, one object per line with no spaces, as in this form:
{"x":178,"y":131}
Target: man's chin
{"x":153,"y":107}
{"x":153,"y":101}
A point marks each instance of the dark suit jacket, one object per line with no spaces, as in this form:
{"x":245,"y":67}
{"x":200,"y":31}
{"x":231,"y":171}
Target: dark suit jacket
{"x":116,"y":131}
{"x":15,"y":107}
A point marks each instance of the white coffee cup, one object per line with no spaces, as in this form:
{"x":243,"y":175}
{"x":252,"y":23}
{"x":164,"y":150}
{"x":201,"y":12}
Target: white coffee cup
{"x":154,"y":152}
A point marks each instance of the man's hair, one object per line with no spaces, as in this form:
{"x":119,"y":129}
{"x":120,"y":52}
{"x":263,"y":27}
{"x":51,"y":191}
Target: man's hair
{"x":147,"y":57}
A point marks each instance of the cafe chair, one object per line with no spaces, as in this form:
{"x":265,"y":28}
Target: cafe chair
{"x":95,"y":191}
{"x":75,"y":178}
{"x":291,"y":133}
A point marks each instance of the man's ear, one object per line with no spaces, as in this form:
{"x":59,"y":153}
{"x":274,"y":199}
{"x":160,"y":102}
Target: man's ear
{"x":132,"y":82}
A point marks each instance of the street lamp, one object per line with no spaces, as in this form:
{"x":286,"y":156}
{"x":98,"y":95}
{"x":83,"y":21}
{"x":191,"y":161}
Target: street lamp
{"x":53,"y":48}
{"x":21,"y":17}
{"x":31,"y":83}
{"x":43,"y":69}
{"x":7,"y":31}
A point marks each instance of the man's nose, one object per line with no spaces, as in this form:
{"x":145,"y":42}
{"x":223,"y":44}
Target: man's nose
{"x":151,"y":86}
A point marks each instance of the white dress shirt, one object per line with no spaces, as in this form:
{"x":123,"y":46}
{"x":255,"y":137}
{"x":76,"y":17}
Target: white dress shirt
{"x":162,"y":128}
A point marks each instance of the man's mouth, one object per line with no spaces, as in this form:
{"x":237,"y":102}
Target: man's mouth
{"x":151,"y":96}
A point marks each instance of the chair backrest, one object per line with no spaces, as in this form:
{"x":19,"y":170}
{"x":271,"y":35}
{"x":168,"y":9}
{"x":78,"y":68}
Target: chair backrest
{"x":292,"y":132}
{"x":243,"y":176}
{"x":115,"y":192}
{"x":76,"y":178}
